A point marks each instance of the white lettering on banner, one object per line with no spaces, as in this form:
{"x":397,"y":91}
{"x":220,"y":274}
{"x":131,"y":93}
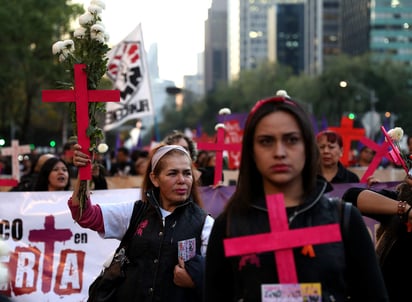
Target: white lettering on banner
{"x":52,"y":258}
{"x":68,"y":278}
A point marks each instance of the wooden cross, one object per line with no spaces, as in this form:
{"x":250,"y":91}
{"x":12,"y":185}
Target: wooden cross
{"x":219,"y":147}
{"x":281,"y":240}
{"x":348,"y":134}
{"x":381,"y":151}
{"x":14,"y":151}
{"x":82,"y":97}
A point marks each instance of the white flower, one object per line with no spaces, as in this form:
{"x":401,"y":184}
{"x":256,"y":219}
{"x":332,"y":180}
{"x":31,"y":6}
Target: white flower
{"x":224,"y":111}
{"x":97,"y":33}
{"x":68,"y":46}
{"x":57,"y":47}
{"x":396,"y":134}
{"x":220,"y":125}
{"x":63,"y":48}
{"x":97,"y":28}
{"x":98,"y":3}
{"x":101,"y":24}
{"x":102,"y":148}
{"x":95,"y":9}
{"x":86,"y":19}
{"x":282,"y":93}
{"x":79,"y":32}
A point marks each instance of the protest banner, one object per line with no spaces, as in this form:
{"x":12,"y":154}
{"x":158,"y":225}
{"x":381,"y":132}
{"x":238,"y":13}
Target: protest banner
{"x":54,"y":259}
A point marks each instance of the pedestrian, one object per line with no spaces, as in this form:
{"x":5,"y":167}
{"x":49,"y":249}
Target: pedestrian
{"x":392,"y":209}
{"x":280,"y":156}
{"x":331,"y":150}
{"x":179,"y":138}
{"x":158,"y":269}
{"x":28,"y":181}
{"x":364,"y":158}
{"x":53,"y":176}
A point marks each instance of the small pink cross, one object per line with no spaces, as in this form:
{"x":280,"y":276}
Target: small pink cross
{"x":219,"y":147}
{"x":14,"y":151}
{"x":82,"y":97}
{"x":348,"y":134}
{"x":381,"y":151}
{"x":281,"y":240}
{"x":394,"y":153}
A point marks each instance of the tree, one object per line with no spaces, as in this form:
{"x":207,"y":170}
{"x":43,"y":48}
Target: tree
{"x":27,"y":65}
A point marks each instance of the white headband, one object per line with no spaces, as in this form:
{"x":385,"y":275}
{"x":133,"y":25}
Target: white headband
{"x":165,"y":149}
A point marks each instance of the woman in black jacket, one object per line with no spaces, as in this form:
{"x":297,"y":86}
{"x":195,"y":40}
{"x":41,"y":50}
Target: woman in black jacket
{"x":280,"y":156}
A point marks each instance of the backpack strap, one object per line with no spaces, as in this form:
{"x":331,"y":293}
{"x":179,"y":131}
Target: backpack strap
{"x":344,"y":210}
{"x":345,"y":220}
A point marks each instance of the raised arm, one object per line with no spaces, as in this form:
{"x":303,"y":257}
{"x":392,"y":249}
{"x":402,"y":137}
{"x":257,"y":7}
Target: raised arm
{"x":80,"y":159}
{"x":374,"y":203}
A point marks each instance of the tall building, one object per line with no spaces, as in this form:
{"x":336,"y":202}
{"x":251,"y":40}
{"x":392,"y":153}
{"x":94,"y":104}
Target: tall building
{"x":286,"y":35}
{"x":195,"y":83}
{"x":215,"y":56}
{"x":391,"y":30}
{"x":355,"y":16}
{"x":331,"y":28}
{"x":301,"y":34}
{"x":267,"y":30}
{"x":152,"y":61}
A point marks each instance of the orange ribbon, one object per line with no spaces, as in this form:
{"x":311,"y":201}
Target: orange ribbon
{"x":308,"y":250}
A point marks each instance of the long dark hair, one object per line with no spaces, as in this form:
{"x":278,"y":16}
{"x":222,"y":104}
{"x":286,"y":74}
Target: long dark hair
{"x":42,"y":182}
{"x":249,"y":185}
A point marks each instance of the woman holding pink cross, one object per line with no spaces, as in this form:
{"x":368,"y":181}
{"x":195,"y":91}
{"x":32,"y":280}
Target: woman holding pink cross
{"x":279,"y":235}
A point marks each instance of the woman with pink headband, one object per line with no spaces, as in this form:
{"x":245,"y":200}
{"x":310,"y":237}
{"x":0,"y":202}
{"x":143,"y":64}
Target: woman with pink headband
{"x":173,"y":221}
{"x":254,"y":253}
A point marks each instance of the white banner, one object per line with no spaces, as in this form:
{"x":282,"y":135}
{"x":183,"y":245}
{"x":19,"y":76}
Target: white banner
{"x":129,"y":72}
{"x":52,"y":258}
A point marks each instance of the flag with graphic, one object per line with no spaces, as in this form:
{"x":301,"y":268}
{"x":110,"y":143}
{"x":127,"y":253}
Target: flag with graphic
{"x":128,"y":70}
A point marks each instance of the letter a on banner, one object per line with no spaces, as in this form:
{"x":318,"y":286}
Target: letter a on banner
{"x":128,"y":70}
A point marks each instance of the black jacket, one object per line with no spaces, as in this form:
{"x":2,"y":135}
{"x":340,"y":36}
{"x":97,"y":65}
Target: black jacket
{"x":393,"y":249}
{"x":153,"y":254}
{"x":336,"y":266}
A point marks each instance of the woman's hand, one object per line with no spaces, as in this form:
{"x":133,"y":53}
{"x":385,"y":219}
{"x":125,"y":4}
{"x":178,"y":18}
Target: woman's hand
{"x":372,"y":180}
{"x":181,"y":277}
{"x":80,"y":159}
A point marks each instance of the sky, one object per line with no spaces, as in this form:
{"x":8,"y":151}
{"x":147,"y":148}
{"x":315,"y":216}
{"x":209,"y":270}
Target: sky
{"x":177,"y":26}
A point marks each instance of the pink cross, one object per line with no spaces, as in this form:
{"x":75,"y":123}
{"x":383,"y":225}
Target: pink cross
{"x":219,"y":147}
{"x":348,"y":134}
{"x":82,"y":97}
{"x":380,"y":152}
{"x":281,"y":240}
{"x":14,"y":151}
{"x":394,"y":153}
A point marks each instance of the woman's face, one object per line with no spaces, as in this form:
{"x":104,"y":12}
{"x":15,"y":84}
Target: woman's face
{"x":174,"y":180}
{"x":330,"y":153}
{"x":58,"y":177}
{"x":279,"y":151}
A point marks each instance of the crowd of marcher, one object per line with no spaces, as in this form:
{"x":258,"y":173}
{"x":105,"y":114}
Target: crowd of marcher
{"x":280,"y":154}
{"x":37,"y":171}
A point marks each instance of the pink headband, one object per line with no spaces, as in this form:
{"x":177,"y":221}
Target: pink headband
{"x":165,"y":149}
